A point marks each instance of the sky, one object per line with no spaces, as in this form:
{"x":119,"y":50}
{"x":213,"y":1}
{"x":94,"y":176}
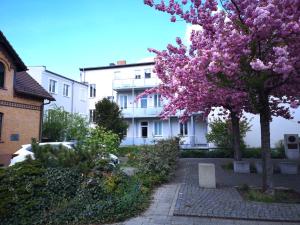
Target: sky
{"x":65,"y":35}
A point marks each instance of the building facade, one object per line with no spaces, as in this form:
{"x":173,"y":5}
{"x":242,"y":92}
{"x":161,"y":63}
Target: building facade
{"x":70,"y":94}
{"x":122,"y":83}
{"x":21,"y":103}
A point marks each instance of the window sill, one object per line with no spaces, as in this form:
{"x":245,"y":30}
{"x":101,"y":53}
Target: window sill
{"x":1,"y":142}
{"x":3,"y":89}
{"x":67,"y":96}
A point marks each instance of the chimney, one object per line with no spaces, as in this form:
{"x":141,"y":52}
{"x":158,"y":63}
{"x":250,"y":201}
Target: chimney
{"x":121,"y":62}
{"x":111,"y":64}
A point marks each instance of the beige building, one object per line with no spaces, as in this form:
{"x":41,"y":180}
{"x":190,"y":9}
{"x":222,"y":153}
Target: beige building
{"x":21,"y":103}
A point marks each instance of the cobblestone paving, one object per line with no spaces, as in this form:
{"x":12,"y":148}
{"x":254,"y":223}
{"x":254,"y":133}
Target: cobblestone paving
{"x":227,"y":203}
{"x":168,"y":199}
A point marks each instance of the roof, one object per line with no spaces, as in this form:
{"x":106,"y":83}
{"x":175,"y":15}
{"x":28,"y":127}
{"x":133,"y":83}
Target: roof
{"x":20,"y":66}
{"x":117,"y":66}
{"x":25,"y":84}
{"x":56,"y":74}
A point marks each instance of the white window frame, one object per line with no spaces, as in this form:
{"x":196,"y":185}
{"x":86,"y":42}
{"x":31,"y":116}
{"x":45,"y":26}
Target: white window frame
{"x":94,"y":91}
{"x":55,"y":86}
{"x":121,"y":102}
{"x":157,"y":103}
{"x":141,"y":128}
{"x":147,"y":71}
{"x":137,"y":74}
{"x":185,"y":124}
{"x":68,"y":94}
{"x":161,"y":129}
{"x":144,"y":97}
{"x":92,"y":115}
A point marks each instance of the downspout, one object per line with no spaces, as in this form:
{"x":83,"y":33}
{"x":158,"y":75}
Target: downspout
{"x":41,"y":119}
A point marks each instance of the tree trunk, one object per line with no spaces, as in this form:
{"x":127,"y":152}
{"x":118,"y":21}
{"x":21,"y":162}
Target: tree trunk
{"x":236,"y":136}
{"x":265,"y":117}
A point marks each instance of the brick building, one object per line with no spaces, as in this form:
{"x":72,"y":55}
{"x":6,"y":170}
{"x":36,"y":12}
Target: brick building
{"x":21,"y":103}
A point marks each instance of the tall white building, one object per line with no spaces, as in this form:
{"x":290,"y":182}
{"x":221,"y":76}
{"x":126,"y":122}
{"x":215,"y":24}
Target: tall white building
{"x":123,"y":83}
{"x":70,"y":94}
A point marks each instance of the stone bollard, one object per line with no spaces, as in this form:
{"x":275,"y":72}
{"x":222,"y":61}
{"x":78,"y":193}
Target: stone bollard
{"x":207,"y":175}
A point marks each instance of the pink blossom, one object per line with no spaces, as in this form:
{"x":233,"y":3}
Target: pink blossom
{"x":258,"y":65}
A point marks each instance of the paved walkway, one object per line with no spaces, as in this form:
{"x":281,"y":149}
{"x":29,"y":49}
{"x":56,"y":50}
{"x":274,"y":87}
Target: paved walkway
{"x":227,"y":203}
{"x":165,"y":201}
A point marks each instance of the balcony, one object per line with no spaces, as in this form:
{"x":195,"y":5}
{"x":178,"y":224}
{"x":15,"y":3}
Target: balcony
{"x":125,"y":84}
{"x":138,"y":112}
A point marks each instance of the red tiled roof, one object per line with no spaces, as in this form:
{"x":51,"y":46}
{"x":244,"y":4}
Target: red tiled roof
{"x":25,"y":84}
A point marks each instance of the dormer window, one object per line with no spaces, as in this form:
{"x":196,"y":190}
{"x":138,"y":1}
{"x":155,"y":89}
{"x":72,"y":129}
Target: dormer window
{"x":2,"y":75}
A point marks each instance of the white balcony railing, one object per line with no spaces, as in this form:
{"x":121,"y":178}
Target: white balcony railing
{"x":141,"y":112}
{"x":135,"y":83}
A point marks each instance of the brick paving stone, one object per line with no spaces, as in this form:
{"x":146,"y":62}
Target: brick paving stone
{"x":224,"y":204}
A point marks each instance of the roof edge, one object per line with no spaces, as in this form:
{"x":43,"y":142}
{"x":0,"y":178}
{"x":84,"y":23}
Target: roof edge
{"x":116,"y":66}
{"x":59,"y":75}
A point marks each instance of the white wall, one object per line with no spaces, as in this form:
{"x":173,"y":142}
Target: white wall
{"x":76,"y":102}
{"x":278,"y":128}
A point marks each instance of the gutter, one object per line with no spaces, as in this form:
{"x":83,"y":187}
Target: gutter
{"x":41,"y":118}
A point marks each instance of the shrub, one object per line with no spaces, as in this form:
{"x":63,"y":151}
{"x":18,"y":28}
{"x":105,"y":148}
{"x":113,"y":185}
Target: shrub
{"x":125,"y":151}
{"x":157,"y":163}
{"x":60,"y":125}
{"x":221,"y":134}
{"x":53,"y":190}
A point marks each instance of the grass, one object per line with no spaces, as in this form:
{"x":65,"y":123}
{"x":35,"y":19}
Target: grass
{"x":279,"y":196}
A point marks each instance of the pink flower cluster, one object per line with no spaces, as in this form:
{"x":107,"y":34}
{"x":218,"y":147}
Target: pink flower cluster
{"x":244,"y":49}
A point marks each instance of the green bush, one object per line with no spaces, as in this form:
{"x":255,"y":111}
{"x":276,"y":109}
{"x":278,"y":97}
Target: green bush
{"x":221,"y":134}
{"x":60,"y":125}
{"x":157,"y":163}
{"x":124,"y":151}
{"x":54,"y":189}
{"x":223,"y":153}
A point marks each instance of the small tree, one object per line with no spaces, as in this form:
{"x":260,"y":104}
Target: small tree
{"x":108,"y":115}
{"x":60,"y":125}
{"x":221,"y":133}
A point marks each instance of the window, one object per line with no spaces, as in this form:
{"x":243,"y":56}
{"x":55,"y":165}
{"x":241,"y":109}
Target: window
{"x":92,"y":90}
{"x":1,"y":120}
{"x":92,"y":117}
{"x":144,"y":101}
{"x":66,"y":91}
{"x":158,"y":128}
{"x":52,"y":86}
{"x":123,"y":101}
{"x":184,"y":129}
{"x":147,"y":73}
{"x":2,"y":75}
{"x":144,"y":129}
{"x":137,"y":74}
{"x":157,"y":100}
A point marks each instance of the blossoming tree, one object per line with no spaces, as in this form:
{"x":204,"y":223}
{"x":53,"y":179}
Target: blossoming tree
{"x":243,"y":46}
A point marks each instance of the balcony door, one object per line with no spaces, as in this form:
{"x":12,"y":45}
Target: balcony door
{"x":144,"y":129}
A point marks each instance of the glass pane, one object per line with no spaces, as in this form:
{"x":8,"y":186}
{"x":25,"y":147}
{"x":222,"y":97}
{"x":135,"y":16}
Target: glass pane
{"x":144,"y":131}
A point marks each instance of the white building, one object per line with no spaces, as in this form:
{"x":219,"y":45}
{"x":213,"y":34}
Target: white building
{"x":71,"y":95}
{"x":123,"y":83}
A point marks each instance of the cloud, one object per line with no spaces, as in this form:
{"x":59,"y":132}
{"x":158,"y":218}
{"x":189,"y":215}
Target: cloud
{"x":189,"y":29}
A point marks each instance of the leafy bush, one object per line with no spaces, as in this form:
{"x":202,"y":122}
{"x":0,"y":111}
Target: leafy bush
{"x":125,"y":151}
{"x":223,"y":153}
{"x":52,"y":189}
{"x":157,"y":163}
{"x":109,"y":116}
{"x":90,"y":154}
{"x":60,"y":125}
{"x":221,"y":133}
